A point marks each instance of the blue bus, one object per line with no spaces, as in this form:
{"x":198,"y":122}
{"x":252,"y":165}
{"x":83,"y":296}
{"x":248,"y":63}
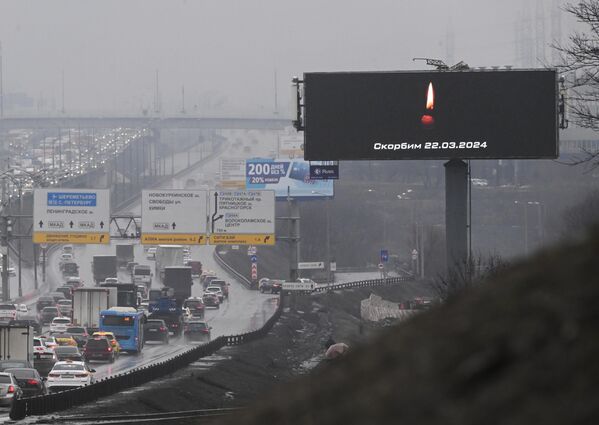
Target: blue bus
{"x":127,"y":325}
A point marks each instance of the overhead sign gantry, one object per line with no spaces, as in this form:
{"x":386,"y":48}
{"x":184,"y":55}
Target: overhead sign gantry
{"x":173,"y":217}
{"x":242,"y":217}
{"x":76,"y":216}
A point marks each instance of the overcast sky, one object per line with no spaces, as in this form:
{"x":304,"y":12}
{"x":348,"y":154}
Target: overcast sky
{"x":225,"y":52}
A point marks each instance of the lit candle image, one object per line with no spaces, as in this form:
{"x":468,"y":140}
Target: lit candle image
{"x":428,"y":120}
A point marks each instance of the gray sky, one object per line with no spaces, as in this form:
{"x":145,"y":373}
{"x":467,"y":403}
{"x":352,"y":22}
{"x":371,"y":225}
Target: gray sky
{"x":225,"y":51}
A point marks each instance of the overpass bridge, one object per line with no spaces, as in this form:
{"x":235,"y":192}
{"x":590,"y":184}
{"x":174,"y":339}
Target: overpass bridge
{"x":155,"y":123}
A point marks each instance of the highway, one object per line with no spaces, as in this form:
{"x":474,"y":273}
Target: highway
{"x":244,"y":311}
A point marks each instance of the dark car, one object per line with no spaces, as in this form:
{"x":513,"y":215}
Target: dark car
{"x":270,"y":285}
{"x":224,"y":286}
{"x":207,"y":280}
{"x":49,"y":313}
{"x":28,"y":321}
{"x":195,"y":306}
{"x":44,"y":301}
{"x":156,"y":330}
{"x":65,"y":290}
{"x":10,"y":364}
{"x":68,"y":353}
{"x":211,"y":300}
{"x":196,"y":330}
{"x":29,"y":380}
{"x":57,"y":296}
{"x":79,"y":334}
{"x":98,"y":348}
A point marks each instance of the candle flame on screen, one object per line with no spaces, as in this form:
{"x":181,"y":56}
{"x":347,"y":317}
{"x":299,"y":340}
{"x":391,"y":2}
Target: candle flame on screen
{"x":430,"y":97}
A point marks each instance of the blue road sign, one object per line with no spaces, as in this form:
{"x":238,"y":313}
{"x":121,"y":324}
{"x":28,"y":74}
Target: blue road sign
{"x":384,"y":256}
{"x":254,"y":258}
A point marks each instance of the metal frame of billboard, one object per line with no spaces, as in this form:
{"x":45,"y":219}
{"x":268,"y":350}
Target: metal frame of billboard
{"x":346,"y":114}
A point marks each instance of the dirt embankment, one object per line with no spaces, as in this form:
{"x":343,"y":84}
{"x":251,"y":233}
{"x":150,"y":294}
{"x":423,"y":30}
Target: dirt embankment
{"x":522,"y":349}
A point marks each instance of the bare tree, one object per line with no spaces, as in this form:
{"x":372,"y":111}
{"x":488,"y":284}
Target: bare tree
{"x":580,"y":66}
{"x":469,"y":274}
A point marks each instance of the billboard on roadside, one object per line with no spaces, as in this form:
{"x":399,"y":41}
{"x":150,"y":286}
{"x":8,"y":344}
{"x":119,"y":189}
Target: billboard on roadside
{"x":483,"y":114}
{"x":283,"y":175}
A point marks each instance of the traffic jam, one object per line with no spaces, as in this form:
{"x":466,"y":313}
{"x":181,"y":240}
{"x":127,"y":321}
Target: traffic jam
{"x":64,"y":337}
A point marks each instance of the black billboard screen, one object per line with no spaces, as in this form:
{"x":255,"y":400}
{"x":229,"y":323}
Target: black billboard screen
{"x":431,"y":115}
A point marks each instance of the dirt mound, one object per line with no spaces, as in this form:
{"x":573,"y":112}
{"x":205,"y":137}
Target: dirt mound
{"x":521,"y":350}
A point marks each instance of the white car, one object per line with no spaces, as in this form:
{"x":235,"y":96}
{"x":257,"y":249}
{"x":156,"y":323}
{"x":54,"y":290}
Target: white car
{"x":151,"y":254}
{"x":41,"y":350}
{"x":111,"y":280}
{"x":66,"y":257}
{"x":22,"y":308}
{"x":69,"y":374}
{"x":217,"y":291}
{"x":60,"y":324}
{"x":65,"y":306}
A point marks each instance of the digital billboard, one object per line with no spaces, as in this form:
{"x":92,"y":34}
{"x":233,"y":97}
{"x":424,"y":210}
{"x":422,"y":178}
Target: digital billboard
{"x":431,"y":115}
{"x":282,"y":175}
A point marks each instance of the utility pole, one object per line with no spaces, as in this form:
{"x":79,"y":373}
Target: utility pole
{"x":294,"y":236}
{"x":4,"y":243}
{"x":183,"y":99}
{"x":276,"y":97}
{"x":1,"y":85}
{"x":63,"y":110}
{"x":19,"y":240}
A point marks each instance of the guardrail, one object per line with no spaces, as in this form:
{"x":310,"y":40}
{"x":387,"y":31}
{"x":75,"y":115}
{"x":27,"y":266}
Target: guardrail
{"x":363,"y":283}
{"x":44,"y":404}
{"x":241,"y":278}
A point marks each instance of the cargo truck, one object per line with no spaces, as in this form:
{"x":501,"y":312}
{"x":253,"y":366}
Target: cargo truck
{"x":168,"y":309}
{"x":126,"y":293}
{"x":167,"y":255}
{"x":103,"y":266}
{"x":16,"y":343}
{"x":124,"y":255}
{"x":89,"y":302}
{"x":178,"y":278}
{"x":196,"y":267}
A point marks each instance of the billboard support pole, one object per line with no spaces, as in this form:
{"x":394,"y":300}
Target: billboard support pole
{"x":456,"y":214}
{"x":294,"y":237}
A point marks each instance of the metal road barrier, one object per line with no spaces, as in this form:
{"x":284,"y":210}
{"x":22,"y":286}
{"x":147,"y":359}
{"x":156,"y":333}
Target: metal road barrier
{"x":44,"y":404}
{"x":241,"y":278}
{"x":363,"y":284}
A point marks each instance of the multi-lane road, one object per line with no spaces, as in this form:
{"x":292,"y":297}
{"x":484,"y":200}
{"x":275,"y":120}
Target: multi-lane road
{"x":245,"y":310}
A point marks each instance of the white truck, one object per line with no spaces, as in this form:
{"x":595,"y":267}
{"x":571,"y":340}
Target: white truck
{"x":16,"y":343}
{"x":89,"y":302}
{"x":142,"y":274}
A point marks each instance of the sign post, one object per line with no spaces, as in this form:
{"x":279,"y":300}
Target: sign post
{"x":77,"y":216}
{"x":243,"y":217}
{"x":173,"y":217}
